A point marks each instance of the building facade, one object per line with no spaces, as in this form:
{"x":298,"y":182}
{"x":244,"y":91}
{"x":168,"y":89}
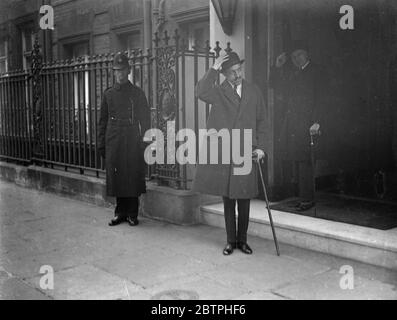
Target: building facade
{"x":92,"y":27}
{"x":360,"y":62}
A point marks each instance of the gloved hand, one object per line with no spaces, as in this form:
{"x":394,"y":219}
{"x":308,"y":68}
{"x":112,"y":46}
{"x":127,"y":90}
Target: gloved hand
{"x":258,"y":154}
{"x":315,"y":129}
{"x":218,"y":62}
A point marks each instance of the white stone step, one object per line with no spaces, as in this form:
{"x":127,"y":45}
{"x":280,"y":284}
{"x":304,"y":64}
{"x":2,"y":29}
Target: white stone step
{"x":368,"y":245}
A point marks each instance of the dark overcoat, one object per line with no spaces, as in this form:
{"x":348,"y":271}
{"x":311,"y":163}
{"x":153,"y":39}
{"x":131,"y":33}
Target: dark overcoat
{"x":124,"y":118}
{"x":304,"y":104}
{"x":228,"y":112}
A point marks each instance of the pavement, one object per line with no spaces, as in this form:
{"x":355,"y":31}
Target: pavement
{"x":53,"y":247}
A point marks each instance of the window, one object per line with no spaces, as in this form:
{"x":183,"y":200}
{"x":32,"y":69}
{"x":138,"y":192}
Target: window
{"x":28,"y":37}
{"x":130,"y":41}
{"x":3,"y":57}
{"x":72,"y":50}
{"x":196,"y":33}
{"x":77,"y":49}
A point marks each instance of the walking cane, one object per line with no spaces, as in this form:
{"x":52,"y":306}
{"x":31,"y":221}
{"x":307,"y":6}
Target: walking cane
{"x":313,"y":173}
{"x":268,"y":206}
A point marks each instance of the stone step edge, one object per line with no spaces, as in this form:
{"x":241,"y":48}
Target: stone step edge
{"x":314,"y":231}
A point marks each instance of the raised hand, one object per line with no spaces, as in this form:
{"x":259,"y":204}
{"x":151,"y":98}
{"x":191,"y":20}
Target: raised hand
{"x":218,"y":61}
{"x":281,"y":60}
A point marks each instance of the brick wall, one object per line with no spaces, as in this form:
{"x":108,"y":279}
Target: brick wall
{"x":97,"y":21}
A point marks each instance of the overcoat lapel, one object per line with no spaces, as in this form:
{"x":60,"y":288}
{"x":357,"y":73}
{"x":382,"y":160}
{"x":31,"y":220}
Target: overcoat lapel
{"x":245,"y":96}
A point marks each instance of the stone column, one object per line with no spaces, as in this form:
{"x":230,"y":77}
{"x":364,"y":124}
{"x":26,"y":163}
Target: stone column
{"x":147,"y":24}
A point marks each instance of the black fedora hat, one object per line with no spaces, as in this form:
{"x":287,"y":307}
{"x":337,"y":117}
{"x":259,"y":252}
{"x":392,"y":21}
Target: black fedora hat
{"x":233,"y":59}
{"x":120,"y":61}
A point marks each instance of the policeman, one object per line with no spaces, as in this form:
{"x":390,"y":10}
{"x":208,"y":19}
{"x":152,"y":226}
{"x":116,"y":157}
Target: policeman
{"x":124,"y":118}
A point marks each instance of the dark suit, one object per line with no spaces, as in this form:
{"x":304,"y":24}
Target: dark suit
{"x":303,"y":93}
{"x":230,"y":112}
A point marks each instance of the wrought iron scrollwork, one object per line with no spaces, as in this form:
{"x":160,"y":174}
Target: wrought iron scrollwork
{"x":37,"y":64}
{"x":167,"y":109}
{"x":166,"y":85}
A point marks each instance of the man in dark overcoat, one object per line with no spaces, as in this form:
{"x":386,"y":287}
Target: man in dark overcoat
{"x":124,"y":118}
{"x":302,"y":83}
{"x":236,"y":104}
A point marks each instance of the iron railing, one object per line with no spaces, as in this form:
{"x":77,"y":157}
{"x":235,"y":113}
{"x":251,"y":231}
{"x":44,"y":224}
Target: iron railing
{"x":16,"y":122}
{"x":49,"y":114}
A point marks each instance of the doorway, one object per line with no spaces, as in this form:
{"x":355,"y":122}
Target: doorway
{"x":356,"y":153}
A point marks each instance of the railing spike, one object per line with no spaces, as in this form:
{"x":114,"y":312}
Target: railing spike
{"x":228,"y":49}
{"x":217,"y":49}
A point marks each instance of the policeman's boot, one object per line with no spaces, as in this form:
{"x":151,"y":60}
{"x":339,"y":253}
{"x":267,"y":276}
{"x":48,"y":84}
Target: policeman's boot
{"x":117,"y":220}
{"x":132,"y":221}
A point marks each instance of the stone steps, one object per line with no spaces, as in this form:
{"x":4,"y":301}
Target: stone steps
{"x":367,"y":245}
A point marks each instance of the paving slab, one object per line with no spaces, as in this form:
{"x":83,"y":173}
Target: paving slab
{"x":264,"y":272}
{"x":191,"y":287}
{"x":260,"y":295}
{"x":155,"y":260}
{"x":14,"y":289}
{"x":87,"y":282}
{"x":326,"y":286}
{"x":153,"y":266}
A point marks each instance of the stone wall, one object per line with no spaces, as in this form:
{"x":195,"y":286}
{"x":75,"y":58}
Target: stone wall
{"x":162,"y":203}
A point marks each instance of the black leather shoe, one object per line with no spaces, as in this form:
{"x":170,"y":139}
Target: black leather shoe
{"x":305,"y":205}
{"x":116,"y":220}
{"x":244,"y":247}
{"x":132,"y":221}
{"x":228,"y":249}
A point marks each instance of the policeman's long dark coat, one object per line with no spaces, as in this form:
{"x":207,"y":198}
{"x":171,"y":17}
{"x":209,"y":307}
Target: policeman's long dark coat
{"x":304,"y":94}
{"x":121,"y":141}
{"x":229,"y":113}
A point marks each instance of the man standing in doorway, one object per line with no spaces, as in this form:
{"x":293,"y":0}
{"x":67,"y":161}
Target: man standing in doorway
{"x":124,"y":118}
{"x":236,"y":104}
{"x":302,"y":89}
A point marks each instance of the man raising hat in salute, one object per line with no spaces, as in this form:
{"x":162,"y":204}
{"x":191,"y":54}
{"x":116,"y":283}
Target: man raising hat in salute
{"x":303,"y":87}
{"x":236,"y":104}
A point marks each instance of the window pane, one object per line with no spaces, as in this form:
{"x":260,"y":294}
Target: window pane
{"x":28,"y":38}
{"x":134,"y":41}
{"x":130,"y":41}
{"x":80,"y":49}
{"x":2,"y":66}
{"x":28,"y":41}
{"x":3,"y":49}
{"x":28,"y":62}
{"x":197,"y":33}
